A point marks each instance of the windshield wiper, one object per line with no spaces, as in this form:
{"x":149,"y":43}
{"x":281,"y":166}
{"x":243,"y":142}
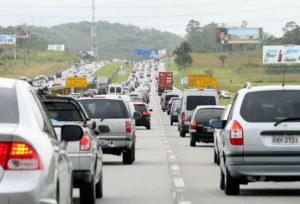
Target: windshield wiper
{"x":286,"y":120}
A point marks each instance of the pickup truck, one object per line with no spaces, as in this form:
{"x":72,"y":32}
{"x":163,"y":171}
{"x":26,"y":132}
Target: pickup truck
{"x":86,"y":155}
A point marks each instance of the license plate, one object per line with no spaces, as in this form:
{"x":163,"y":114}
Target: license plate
{"x":104,"y":142}
{"x":287,"y":139}
{"x":209,"y":129}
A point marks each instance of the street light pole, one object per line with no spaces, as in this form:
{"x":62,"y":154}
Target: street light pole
{"x":94,"y":42}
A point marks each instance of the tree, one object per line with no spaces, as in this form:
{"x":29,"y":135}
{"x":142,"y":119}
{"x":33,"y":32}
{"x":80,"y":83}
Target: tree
{"x":182,"y":55}
{"x":244,"y":24}
{"x":289,"y":26}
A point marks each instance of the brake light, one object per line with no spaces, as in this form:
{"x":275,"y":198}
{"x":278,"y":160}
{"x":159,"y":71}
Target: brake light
{"x":128,"y":127}
{"x":19,"y":156}
{"x":236,"y":134}
{"x":146,"y":113}
{"x":85,"y":143}
{"x":193,"y":125}
{"x":183,"y":117}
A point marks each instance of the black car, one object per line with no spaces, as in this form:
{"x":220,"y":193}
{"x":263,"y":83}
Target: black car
{"x":145,"y":120}
{"x":200,"y":130}
{"x":173,"y":111}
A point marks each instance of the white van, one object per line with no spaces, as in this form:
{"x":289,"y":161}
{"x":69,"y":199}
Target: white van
{"x":191,"y":99}
{"x":115,"y":89}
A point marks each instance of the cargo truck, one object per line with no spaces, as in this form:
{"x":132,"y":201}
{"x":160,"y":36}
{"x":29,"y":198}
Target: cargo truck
{"x":165,"y":82}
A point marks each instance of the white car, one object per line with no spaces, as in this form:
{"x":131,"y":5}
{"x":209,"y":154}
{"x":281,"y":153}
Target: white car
{"x":225,"y":94}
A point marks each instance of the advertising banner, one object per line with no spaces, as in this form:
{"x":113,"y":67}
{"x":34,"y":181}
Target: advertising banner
{"x":60,"y":48}
{"x":8,"y":40}
{"x":281,"y":54}
{"x":239,"y":35}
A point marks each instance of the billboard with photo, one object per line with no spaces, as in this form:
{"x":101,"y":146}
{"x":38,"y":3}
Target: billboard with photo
{"x":239,"y":35}
{"x":281,"y":54}
{"x":8,"y":40}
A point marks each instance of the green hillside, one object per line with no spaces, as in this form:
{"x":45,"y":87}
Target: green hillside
{"x":238,"y":69}
{"x":113,"y":40}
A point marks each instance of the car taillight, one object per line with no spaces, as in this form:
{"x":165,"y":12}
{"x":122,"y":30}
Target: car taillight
{"x":85,"y":143}
{"x":146,"y":113}
{"x":193,"y":125}
{"x":128,"y":127}
{"x":183,"y":117}
{"x":18,"y":156}
{"x":236,"y":134}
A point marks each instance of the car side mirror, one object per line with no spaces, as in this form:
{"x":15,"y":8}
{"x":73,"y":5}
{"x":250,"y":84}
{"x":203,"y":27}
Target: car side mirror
{"x":178,"y":110}
{"x":137,"y":115}
{"x":71,"y":133}
{"x":217,"y":124}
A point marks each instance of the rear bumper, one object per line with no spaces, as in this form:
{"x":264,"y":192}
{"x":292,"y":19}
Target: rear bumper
{"x":26,"y":187}
{"x":185,"y":128}
{"x":174,"y":118}
{"x":209,"y":138}
{"x":142,"y":122}
{"x":81,"y":175}
{"x":108,"y":142}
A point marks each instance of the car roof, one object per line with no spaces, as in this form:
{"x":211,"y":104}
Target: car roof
{"x":269,"y":88}
{"x":9,"y":83}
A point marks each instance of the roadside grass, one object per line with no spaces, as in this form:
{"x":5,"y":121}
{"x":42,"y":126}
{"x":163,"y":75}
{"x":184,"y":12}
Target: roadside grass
{"x":34,"y":63}
{"x":238,"y":69}
{"x":121,"y":78}
{"x":108,"y":70}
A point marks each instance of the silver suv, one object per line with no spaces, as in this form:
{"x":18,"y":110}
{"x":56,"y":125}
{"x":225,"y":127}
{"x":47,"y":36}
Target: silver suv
{"x":86,"y":155}
{"x":261,"y":138}
{"x":113,"y":112}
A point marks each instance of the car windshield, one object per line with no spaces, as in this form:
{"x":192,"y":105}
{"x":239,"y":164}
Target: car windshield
{"x":271,"y":106}
{"x":8,"y":106}
{"x":193,"y":101}
{"x":63,"y":111}
{"x":119,"y":90}
{"x":205,"y":115}
{"x":105,"y":108}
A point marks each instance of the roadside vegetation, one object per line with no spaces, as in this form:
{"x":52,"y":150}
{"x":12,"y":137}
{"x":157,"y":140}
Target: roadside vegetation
{"x":120,"y":78}
{"x":31,"y":63}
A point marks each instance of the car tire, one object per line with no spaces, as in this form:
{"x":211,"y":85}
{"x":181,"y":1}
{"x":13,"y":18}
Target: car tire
{"x":171,"y":123}
{"x":128,"y":155}
{"x":99,"y":187}
{"x":148,"y":127}
{"x":192,"y":143}
{"x":168,"y":112}
{"x":215,"y":157}
{"x":222,"y":180}
{"x":232,"y":186}
{"x":182,"y":133}
{"x":87,"y":192}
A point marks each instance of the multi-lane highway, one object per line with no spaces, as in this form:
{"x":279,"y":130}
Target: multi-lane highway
{"x":167,"y":170}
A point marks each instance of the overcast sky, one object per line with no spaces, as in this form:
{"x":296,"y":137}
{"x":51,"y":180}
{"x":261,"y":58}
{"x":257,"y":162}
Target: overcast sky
{"x":165,"y":15}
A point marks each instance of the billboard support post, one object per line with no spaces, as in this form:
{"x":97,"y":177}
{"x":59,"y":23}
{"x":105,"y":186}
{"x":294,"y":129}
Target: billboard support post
{"x":15,"y":53}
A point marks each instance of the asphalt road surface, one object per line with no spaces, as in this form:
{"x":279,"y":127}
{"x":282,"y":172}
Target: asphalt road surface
{"x":167,"y":170}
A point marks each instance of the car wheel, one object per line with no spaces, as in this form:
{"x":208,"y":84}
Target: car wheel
{"x":222,"y":180}
{"x":192,"y":143}
{"x":168,"y":112}
{"x":232,"y":186}
{"x":182,"y":133}
{"x":171,"y":123}
{"x":99,"y":187}
{"x":148,"y":127}
{"x":215,"y":157}
{"x":128,"y":155}
{"x":87,"y":192}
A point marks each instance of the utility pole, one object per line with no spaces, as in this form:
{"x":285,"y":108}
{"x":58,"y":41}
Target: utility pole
{"x":94,"y":42}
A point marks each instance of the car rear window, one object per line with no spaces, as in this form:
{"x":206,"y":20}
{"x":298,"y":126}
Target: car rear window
{"x":270,"y":106}
{"x":118,"y":89}
{"x":112,"y":90}
{"x":205,"y":115}
{"x":61,"y":111}
{"x":8,"y":106}
{"x":105,"y":108}
{"x":193,"y":101}
{"x":168,"y":97}
{"x":177,"y":103}
{"x":140,"y":107}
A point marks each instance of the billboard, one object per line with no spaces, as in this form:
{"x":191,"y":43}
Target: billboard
{"x":23,"y":35}
{"x":239,"y":35}
{"x":7,"y":40}
{"x":60,"y":48}
{"x":281,"y":54}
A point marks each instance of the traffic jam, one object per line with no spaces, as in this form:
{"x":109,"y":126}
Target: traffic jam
{"x":50,"y":145}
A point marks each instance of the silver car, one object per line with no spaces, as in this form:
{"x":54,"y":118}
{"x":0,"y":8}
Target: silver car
{"x":34,"y":166}
{"x":86,"y":155}
{"x":113,"y":111}
{"x":261,"y":140}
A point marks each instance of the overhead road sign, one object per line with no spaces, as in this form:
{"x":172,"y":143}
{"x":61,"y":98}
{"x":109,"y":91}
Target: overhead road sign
{"x":76,"y":82}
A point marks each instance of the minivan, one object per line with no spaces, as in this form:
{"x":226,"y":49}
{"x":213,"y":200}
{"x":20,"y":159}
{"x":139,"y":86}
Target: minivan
{"x":191,"y":99}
